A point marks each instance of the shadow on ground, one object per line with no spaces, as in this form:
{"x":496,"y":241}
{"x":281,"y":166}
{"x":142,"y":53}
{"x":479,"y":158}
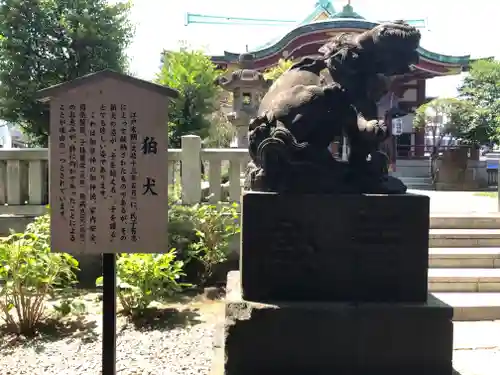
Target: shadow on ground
{"x":59,"y":294}
{"x":50,"y":330}
{"x":165,"y":319}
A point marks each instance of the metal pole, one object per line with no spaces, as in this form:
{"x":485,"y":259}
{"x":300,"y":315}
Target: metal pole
{"x":109,"y":314}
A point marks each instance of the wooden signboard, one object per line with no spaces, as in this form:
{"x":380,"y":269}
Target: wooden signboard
{"x":108,"y":164}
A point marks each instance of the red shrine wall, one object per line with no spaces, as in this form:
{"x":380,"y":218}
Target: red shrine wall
{"x":411,"y":143}
{"x":411,"y":94}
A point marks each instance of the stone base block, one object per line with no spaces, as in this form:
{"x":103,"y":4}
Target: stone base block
{"x":335,"y":248}
{"x":334,"y":338}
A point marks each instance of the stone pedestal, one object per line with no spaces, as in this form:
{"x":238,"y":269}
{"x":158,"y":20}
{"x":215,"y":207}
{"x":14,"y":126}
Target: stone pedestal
{"x":297,"y":338}
{"x":370,"y":248}
{"x":333,"y":285}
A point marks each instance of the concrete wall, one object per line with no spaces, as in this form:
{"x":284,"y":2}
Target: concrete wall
{"x":421,"y":168}
{"x":412,"y":168}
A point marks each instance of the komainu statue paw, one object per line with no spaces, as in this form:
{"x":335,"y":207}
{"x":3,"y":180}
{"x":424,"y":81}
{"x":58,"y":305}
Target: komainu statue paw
{"x":392,"y":185}
{"x":378,"y":128}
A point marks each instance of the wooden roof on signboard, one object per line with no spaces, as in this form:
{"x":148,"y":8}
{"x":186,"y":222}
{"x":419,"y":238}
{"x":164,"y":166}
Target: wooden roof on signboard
{"x":54,"y":91}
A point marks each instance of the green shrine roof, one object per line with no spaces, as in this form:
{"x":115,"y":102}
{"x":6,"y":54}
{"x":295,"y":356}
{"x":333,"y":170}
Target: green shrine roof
{"x":347,"y":12}
{"x":325,"y":17}
{"x":322,"y":7}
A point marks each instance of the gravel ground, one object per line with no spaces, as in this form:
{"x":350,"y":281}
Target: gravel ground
{"x":182,"y":346}
{"x":179,"y":342}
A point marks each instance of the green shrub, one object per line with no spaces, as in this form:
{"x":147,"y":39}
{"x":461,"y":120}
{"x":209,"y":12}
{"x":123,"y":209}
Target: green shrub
{"x":214,"y":227}
{"x":201,"y":234}
{"x":144,"y":278}
{"x":180,"y":224}
{"x":29,"y":272}
{"x":181,"y":229}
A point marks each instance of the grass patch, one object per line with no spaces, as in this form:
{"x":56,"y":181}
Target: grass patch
{"x":491,"y":194}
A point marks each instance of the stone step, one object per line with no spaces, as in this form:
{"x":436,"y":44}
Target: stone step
{"x":464,"y":257}
{"x":469,"y":221}
{"x":416,"y":188}
{"x":472,"y":306}
{"x":464,"y":238}
{"x":15,"y":222}
{"x":417,"y":183}
{"x":416,"y":180}
{"x":482,"y":280}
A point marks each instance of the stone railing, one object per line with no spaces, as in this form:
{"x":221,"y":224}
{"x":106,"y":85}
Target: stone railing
{"x":24,"y":175}
{"x":23,"y":181}
{"x":186,"y":163}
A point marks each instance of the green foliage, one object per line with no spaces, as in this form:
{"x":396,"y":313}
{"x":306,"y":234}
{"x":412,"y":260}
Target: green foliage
{"x":181,"y":232}
{"x":482,"y":84}
{"x":193,"y":74}
{"x":202,"y":232}
{"x":47,"y":42}
{"x":198,"y":233}
{"x":472,"y":128}
{"x":481,"y":90}
{"x":70,"y":305}
{"x":28,"y":273}
{"x":221,"y":132}
{"x":455,"y":117}
{"x":475,"y":117}
{"x":276,"y":71}
{"x":144,"y":278}
{"x":214,"y":227}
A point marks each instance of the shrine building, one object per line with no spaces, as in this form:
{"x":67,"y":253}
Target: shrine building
{"x":324,"y":23}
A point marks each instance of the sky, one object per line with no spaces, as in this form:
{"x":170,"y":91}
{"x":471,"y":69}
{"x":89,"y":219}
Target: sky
{"x":454,"y":28}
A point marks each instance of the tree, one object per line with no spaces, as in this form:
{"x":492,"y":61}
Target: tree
{"x":283,"y":65}
{"x":469,"y":126}
{"x":221,"y":132}
{"x":481,"y":89}
{"x":443,"y":117}
{"x":47,"y":42}
{"x":193,"y":74}
{"x":277,"y":70}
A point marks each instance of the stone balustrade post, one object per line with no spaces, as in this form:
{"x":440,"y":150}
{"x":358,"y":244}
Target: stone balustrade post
{"x":498,"y":187}
{"x":191,"y":169}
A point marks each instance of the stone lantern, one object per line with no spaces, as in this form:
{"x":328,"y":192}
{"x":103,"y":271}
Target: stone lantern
{"x":247,"y":86}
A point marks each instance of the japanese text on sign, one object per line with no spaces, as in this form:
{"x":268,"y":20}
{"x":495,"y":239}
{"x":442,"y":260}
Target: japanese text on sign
{"x":100,"y":159}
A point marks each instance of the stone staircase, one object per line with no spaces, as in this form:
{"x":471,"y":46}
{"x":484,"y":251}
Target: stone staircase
{"x":464,"y":260}
{"x":417,"y":183}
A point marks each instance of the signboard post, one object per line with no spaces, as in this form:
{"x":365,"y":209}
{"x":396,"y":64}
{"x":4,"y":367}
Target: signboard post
{"x":108,"y":181}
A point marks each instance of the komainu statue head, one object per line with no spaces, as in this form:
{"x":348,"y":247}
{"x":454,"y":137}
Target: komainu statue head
{"x":389,"y":49}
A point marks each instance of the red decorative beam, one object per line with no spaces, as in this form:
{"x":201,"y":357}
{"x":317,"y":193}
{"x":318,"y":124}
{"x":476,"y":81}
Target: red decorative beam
{"x":310,"y":43}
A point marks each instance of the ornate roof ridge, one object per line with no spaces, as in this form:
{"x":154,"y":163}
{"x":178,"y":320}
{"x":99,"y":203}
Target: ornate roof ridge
{"x":321,"y":7}
{"x":279,"y":44}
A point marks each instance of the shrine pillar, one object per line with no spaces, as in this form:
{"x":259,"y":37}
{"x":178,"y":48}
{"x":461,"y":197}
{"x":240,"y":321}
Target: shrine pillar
{"x":412,"y":145}
{"x":419,"y":137}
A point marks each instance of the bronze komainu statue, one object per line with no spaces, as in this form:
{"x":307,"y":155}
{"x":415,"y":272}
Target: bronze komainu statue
{"x":301,"y":114}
